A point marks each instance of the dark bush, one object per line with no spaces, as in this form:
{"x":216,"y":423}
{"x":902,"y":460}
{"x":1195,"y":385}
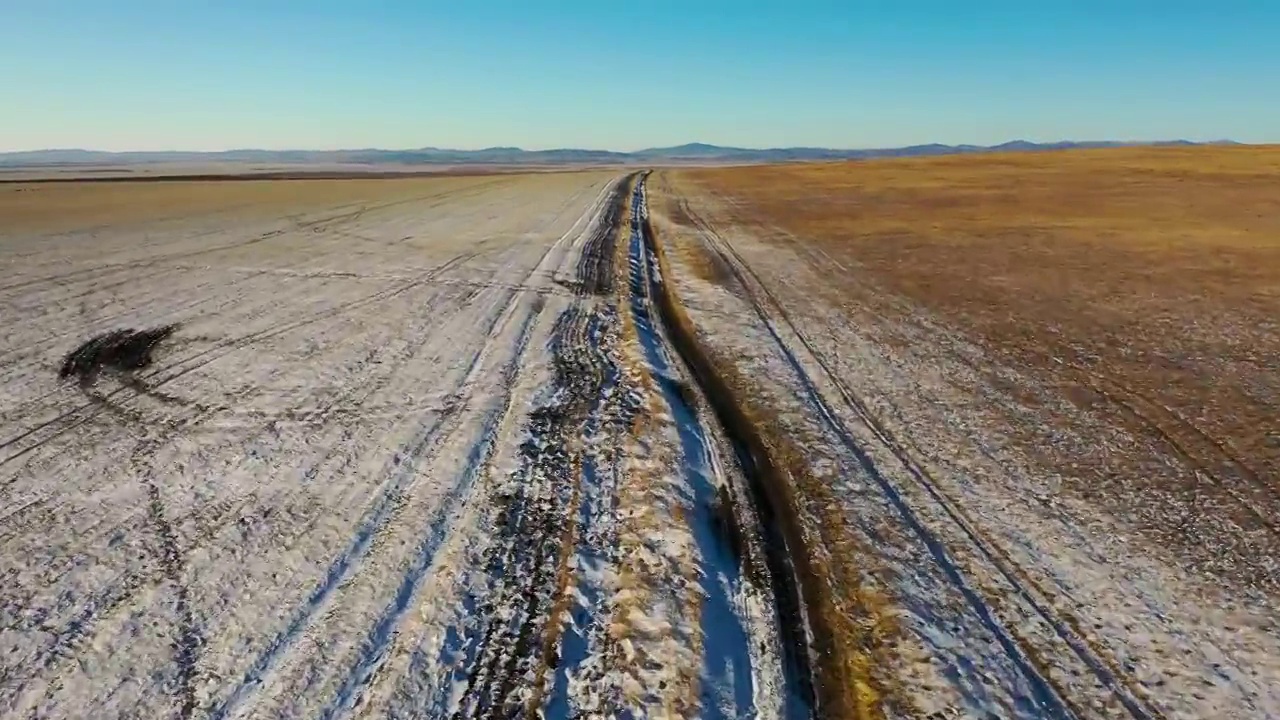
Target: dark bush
{"x":125,"y":350}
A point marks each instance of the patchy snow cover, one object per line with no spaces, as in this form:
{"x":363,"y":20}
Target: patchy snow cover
{"x":247,"y":535}
{"x":1015,"y":600}
{"x":742,"y":674}
{"x":425,"y":457}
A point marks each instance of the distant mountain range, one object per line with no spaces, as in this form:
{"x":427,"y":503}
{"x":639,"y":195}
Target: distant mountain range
{"x":690,"y":153}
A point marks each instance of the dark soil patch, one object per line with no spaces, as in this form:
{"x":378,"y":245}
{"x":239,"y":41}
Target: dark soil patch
{"x":595,"y":266}
{"x":124,"y":350}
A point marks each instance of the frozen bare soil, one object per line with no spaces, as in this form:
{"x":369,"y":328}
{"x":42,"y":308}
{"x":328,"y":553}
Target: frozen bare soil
{"x":411,"y":457}
{"x":1010,"y":597}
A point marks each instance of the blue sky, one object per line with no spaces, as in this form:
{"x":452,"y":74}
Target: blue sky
{"x":200,"y":74}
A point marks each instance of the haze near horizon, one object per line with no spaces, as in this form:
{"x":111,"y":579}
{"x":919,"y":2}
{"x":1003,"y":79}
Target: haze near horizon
{"x":145,"y":75}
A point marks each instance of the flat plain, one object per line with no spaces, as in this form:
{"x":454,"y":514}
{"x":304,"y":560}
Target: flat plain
{"x":980,"y":436}
{"x":1046,"y":390}
{"x":382,"y":448}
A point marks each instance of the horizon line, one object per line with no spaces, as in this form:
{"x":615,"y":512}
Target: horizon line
{"x":515,"y":148}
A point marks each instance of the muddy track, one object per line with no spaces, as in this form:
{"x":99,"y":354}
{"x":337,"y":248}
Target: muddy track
{"x":525,"y":562}
{"x":578,"y":627}
{"x":513,"y":625}
{"x":595,"y":264}
{"x":1105,"y":669}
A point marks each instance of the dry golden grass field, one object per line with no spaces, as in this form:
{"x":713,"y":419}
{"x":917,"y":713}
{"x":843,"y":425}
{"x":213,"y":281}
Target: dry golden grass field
{"x":69,"y":205}
{"x":1067,"y":364}
{"x":1144,"y":279}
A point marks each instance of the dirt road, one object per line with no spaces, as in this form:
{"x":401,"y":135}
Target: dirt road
{"x":579,"y":445}
{"x":424,"y":452}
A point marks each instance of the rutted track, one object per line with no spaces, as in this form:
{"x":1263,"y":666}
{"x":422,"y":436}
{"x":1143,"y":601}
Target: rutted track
{"x":512,"y":628}
{"x":495,"y":484}
{"x":739,"y":518}
{"x":512,"y":633}
{"x":262,"y":491}
{"x":1051,"y":702}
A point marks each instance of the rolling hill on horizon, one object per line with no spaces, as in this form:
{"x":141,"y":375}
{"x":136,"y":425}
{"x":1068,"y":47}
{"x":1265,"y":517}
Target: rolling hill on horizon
{"x":687,"y":153}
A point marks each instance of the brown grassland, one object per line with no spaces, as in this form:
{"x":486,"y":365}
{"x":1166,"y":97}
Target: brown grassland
{"x":59,"y":206}
{"x":1139,"y":283}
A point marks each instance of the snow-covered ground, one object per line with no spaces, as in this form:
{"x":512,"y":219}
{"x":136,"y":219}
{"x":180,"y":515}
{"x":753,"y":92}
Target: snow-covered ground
{"x":417,"y":456}
{"x":243,"y":536}
{"x":428,"y":450}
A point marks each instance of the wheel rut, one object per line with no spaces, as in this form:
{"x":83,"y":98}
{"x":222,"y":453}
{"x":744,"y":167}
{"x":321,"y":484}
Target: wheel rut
{"x":543,"y":519}
{"x":1048,"y":698}
{"x":764,"y":518}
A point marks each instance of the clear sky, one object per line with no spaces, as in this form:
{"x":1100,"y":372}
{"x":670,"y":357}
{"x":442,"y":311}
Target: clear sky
{"x":217,"y":74}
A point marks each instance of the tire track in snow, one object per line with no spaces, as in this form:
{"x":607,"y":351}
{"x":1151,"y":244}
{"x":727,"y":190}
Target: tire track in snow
{"x":514,"y":626}
{"x":315,"y":224}
{"x":404,"y":471}
{"x":511,"y":624}
{"x":161,"y":376}
{"x":380,"y":637}
{"x":726,"y":647}
{"x":129,"y":584}
{"x":1049,"y":700}
{"x":170,"y":559}
{"x":91,"y":536}
{"x":145,"y":298}
{"x":1065,"y":629}
{"x":190,"y":638}
{"x":721,"y":543}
